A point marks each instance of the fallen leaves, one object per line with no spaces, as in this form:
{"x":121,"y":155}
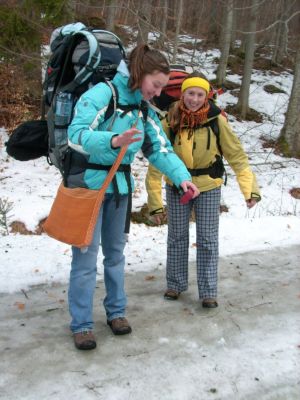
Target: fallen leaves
{"x":21,"y":306}
{"x":150,"y":278}
{"x":295,"y":192}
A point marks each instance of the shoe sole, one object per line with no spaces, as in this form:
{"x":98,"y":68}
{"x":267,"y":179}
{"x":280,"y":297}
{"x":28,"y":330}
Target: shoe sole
{"x":86,"y":346}
{"x":209,"y":305}
{"x":171,"y":296}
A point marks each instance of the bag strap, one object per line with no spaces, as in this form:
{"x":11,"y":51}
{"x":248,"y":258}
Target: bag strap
{"x":113,"y":169}
{"x":106,"y":183}
{"x":102,"y":190}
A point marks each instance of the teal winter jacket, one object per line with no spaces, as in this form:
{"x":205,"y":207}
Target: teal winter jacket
{"x":89,"y":134}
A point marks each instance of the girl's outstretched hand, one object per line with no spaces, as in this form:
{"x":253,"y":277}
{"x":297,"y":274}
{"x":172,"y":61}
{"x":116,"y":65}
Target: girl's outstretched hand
{"x":126,"y":138}
{"x":189,"y":185}
{"x":251,"y":203}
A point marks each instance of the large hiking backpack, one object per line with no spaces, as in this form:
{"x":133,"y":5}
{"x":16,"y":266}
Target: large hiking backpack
{"x":172,"y":91}
{"x":80,"y":58}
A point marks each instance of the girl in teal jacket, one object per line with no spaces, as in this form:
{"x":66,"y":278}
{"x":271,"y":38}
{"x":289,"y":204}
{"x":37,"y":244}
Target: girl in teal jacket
{"x":100,"y":141}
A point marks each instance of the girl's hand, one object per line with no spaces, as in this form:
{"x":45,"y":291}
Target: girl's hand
{"x":251,"y":203}
{"x":126,"y":138}
{"x":187,"y":185}
{"x":159,"y":218}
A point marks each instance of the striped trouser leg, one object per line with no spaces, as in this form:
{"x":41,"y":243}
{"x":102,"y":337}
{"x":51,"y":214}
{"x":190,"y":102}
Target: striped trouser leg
{"x":207,"y":210}
{"x":178,"y":241}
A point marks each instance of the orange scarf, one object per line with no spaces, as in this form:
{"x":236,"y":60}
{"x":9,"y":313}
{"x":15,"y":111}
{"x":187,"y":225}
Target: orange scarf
{"x":191,"y":119}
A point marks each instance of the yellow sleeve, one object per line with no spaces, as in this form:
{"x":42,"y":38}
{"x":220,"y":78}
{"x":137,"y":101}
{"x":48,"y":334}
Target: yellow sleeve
{"x":154,"y":182}
{"x":154,"y":189}
{"x":238,"y":160}
{"x":248,"y":184}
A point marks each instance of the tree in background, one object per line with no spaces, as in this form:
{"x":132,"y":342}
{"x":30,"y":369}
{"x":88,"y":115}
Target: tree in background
{"x":179,"y":15}
{"x":163,"y":23}
{"x":281,"y":32}
{"x":26,"y":25}
{"x":289,"y":140}
{"x":243,"y":102}
{"x":111,"y":13}
{"x":144,"y":21}
{"x":225,"y":42}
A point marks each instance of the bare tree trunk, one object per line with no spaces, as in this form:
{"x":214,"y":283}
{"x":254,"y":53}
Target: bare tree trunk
{"x":110,"y":17}
{"x":281,"y":39}
{"x":225,"y":43}
{"x":233,"y":29}
{"x":71,"y":9}
{"x":213,"y":27}
{"x":290,"y":133}
{"x":243,"y":102}
{"x":124,"y":5}
{"x":178,"y":26}
{"x":164,"y":21}
{"x":144,"y":21}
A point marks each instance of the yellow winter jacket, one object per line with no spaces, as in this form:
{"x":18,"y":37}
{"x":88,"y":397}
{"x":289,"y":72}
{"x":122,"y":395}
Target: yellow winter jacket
{"x":200,"y":151}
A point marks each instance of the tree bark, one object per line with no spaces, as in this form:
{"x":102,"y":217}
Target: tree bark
{"x":243,"y":102}
{"x":213,"y":27}
{"x":281,"y":38}
{"x":290,"y":133}
{"x":177,"y":31}
{"x":225,"y":43}
{"x":111,"y":12}
{"x":144,"y":21}
{"x":233,"y":29}
{"x":164,"y":21}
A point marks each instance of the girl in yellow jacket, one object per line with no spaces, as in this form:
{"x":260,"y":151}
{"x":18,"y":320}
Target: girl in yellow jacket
{"x":200,"y":135}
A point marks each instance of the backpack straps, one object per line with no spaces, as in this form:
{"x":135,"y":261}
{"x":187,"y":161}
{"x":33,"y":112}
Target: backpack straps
{"x":216,"y":170}
{"x":91,"y":64}
{"x":112,"y":105}
{"x":213,"y":123}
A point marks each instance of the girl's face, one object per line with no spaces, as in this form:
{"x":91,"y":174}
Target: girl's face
{"x":194,"y":98}
{"x":152,"y":84}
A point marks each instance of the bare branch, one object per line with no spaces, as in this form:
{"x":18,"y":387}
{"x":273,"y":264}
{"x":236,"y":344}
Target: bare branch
{"x":279,"y":21}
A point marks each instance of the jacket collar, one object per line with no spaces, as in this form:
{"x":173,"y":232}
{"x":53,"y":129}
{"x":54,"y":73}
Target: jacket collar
{"x":121,"y":79}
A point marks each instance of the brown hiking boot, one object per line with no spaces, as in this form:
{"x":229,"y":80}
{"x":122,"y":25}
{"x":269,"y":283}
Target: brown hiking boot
{"x":171,"y":294}
{"x":209,"y":303}
{"x":84,"y":340}
{"x":119,"y":326}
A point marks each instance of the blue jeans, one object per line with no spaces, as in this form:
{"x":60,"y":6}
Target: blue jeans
{"x":110,"y":228}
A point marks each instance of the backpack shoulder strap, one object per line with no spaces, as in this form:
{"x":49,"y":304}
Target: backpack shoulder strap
{"x":92,"y":62}
{"x":113,"y":103}
{"x":213,"y":123}
{"x":144,"y":110}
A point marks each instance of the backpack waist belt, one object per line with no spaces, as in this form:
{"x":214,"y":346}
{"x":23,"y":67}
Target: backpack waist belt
{"x":216,"y":170}
{"x":100,"y":167}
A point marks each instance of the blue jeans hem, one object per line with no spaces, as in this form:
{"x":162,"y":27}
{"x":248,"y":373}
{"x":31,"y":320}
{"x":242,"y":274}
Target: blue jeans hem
{"x":115,"y":316}
{"x":81,"y":330}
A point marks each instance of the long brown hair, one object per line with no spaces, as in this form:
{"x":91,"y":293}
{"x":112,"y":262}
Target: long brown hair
{"x":174,"y":115}
{"x":142,"y":61}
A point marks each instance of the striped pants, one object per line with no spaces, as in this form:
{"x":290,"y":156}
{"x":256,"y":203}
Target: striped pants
{"x":207,"y":208}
